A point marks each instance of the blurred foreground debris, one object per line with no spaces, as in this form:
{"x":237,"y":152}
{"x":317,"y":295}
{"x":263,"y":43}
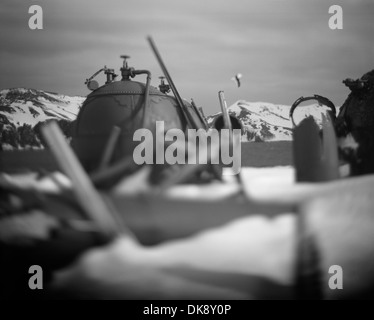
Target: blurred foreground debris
{"x":315,"y":153}
{"x":355,"y":125}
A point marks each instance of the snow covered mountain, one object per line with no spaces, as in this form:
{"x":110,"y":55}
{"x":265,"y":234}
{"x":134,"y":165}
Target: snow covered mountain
{"x":21,"y":110}
{"x":29,"y":106}
{"x":264,"y":121}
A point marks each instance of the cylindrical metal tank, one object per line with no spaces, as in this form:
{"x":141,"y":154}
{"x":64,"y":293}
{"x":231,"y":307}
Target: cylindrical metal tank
{"x":122,"y":104}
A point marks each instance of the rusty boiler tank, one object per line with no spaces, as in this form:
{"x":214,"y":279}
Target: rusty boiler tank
{"x":128,"y":105}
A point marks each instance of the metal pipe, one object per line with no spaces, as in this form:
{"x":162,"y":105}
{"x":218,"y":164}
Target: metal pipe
{"x":203,"y":121}
{"x":190,"y":122}
{"x":225,"y":114}
{"x":116,"y":170}
{"x":109,"y":147}
{"x":146,"y":94}
{"x":133,"y":73}
{"x":203,"y":117}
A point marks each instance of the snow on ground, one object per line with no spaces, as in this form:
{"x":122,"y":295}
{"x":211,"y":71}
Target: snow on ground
{"x":271,"y":185}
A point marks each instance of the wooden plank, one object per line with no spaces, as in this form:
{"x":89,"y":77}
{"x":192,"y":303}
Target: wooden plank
{"x":87,"y":196}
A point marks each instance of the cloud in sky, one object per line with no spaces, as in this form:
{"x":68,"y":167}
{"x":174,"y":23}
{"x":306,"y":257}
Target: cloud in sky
{"x":283,"y":48}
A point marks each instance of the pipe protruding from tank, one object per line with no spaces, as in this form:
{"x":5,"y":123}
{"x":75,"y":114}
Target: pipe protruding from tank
{"x":125,"y":70}
{"x":164,"y":88}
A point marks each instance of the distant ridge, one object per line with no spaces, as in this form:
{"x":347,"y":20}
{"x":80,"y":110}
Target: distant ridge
{"x":23,"y":109}
{"x":265,"y":121}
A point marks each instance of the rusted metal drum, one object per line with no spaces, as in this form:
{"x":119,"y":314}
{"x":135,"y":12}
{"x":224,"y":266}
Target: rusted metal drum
{"x":122,"y":104}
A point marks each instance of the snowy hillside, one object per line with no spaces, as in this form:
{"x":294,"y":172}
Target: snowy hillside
{"x":264,"y":121}
{"x":22,"y":110}
{"x":29,"y":106}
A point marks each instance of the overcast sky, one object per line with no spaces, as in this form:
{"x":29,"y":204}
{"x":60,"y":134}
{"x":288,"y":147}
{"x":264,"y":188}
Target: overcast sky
{"x":283,"y":48}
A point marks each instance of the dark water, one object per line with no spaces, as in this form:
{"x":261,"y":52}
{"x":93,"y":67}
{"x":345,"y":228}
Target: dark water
{"x":267,"y":154}
{"x":254,"y":154}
